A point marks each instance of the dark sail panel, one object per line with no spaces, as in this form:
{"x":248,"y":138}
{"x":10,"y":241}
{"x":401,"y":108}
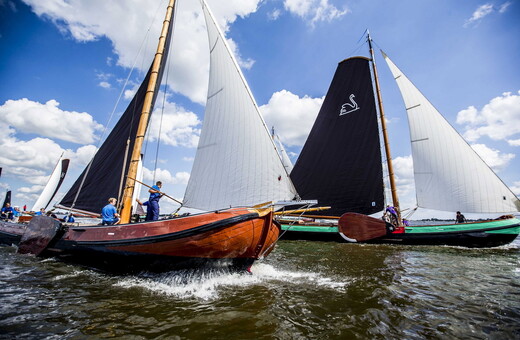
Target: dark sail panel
{"x":104,"y":177}
{"x":340,"y":163}
{"x":7,"y":198}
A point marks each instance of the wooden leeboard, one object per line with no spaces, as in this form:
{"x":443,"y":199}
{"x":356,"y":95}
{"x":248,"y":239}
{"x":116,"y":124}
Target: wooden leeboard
{"x":38,"y":234}
{"x":361,"y":227}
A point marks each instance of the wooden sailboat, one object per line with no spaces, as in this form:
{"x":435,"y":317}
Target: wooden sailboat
{"x":240,"y":171}
{"x":448,"y":173}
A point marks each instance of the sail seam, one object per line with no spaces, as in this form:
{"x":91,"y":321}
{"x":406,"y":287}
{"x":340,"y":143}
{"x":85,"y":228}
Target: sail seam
{"x":214,"y":94}
{"x":419,"y":140}
{"x":412,"y":107}
{"x":214,"y":45}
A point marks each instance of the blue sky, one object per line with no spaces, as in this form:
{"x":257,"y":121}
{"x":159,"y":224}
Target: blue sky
{"x":64,"y":65}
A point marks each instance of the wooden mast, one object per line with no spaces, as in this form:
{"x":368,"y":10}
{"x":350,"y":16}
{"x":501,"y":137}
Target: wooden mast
{"x":393,"y":188}
{"x":143,"y":121}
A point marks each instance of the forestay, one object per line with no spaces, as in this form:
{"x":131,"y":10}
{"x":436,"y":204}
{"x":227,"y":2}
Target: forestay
{"x":236,"y":163}
{"x":449,"y":174}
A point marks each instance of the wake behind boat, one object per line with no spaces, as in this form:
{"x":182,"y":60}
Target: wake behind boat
{"x":341,"y":166}
{"x":232,"y":236}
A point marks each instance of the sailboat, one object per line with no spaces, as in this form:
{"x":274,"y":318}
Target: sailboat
{"x":341,"y":165}
{"x":236,"y":169}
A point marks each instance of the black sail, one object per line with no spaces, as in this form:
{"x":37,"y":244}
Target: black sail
{"x":103,"y":179}
{"x":7,"y":198}
{"x":340,"y":164}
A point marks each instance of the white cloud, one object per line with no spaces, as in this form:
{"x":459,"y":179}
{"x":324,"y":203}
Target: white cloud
{"x":504,"y":7}
{"x":105,"y":85}
{"x":178,"y":127}
{"x":498,"y":120}
{"x":165,"y":176}
{"x":493,"y":157}
{"x":516,"y":188}
{"x":49,"y":120}
{"x":514,"y":142}
{"x":274,"y":15}
{"x":404,"y":177}
{"x":314,"y":10}
{"x":90,"y":20}
{"x":291,"y":116}
{"x":484,"y":10}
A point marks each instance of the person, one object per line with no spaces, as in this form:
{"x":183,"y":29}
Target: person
{"x":152,"y":210}
{"x":393,"y":214}
{"x":109,"y":213}
{"x":460,"y":218}
{"x":405,"y":222}
{"x":41,"y":212}
{"x":7,"y":212}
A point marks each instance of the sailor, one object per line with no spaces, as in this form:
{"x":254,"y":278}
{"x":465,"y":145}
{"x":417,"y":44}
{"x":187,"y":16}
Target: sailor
{"x":109,"y":213}
{"x":393,"y":214}
{"x":460,"y":218}
{"x":152,"y":211}
{"x":41,"y":212}
{"x":8,"y":212}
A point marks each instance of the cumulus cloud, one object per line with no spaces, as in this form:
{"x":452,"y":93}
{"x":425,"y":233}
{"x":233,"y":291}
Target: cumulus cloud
{"x":494,"y":158}
{"x":177,"y":126}
{"x":291,"y":116}
{"x":165,"y":176}
{"x":90,"y":20}
{"x":498,"y":120}
{"x":314,"y":10}
{"x":484,"y":10}
{"x":26,"y":116}
{"x":404,"y":178}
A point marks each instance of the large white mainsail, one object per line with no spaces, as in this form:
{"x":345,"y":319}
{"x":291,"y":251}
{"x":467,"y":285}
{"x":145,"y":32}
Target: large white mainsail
{"x":449,"y":174}
{"x":236,"y":162}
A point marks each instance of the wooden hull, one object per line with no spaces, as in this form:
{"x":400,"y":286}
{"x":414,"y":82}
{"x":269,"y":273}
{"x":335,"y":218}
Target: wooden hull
{"x":235,"y":237}
{"x":491,"y":233}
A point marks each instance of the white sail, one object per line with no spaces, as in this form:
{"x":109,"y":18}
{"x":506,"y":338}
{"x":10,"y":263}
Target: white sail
{"x":137,"y":188}
{"x":449,"y":174}
{"x":52,"y":185}
{"x":286,"y":161}
{"x":236,"y":163}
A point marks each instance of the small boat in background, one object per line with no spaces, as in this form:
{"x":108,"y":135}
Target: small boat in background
{"x":341,"y":166}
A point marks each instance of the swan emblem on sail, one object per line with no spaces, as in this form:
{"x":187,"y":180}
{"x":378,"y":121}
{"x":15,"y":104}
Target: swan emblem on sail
{"x":352,"y":105}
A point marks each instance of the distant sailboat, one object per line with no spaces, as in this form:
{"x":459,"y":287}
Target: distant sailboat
{"x":449,"y":175}
{"x":236,"y":166}
{"x":53,"y":184}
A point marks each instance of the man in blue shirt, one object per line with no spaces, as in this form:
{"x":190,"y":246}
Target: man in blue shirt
{"x":8,"y":211}
{"x":109,"y":213}
{"x":152,"y":210}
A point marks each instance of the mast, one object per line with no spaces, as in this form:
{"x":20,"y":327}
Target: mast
{"x":393,"y":187}
{"x":143,"y":121}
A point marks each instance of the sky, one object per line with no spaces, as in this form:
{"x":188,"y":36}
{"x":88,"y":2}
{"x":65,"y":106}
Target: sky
{"x":68,"y":68}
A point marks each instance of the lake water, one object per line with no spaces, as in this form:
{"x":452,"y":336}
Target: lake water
{"x":302,"y":290}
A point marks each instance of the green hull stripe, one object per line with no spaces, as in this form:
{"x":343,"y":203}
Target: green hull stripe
{"x":453,"y":228}
{"x":310,"y":229}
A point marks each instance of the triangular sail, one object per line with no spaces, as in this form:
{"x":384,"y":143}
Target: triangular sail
{"x":103,"y":176}
{"x":236,"y":162}
{"x":53,"y":184}
{"x":340,"y":163}
{"x":449,"y":174}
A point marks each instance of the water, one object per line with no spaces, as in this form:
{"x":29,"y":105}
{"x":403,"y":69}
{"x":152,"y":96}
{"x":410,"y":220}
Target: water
{"x":303,"y":290}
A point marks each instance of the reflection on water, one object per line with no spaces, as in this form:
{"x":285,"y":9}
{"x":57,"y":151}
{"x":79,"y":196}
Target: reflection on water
{"x":314,"y":290}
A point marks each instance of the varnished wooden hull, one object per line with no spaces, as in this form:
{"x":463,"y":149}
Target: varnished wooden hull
{"x":234,"y":237}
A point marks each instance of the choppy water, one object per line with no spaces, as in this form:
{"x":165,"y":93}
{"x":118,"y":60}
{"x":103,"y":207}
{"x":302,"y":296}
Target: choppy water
{"x":303,"y":290}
